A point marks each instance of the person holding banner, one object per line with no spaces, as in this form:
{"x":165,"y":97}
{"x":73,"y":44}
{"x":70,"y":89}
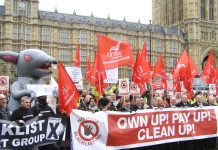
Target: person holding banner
{"x":184,"y":102}
{"x":212,"y":101}
{"x":4,"y":111}
{"x":172,"y":102}
{"x":199,"y":101}
{"x":42,"y":107}
{"x":138,"y":105}
{"x":23,"y":113}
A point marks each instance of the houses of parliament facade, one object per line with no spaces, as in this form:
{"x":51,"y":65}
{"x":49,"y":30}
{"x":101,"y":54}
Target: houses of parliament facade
{"x":198,"y":19}
{"x":24,"y":26}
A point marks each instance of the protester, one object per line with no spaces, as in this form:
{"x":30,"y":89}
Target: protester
{"x":147,"y":97}
{"x":212,"y":101}
{"x":4,"y":111}
{"x":199,"y":101}
{"x":92,"y":107}
{"x":138,"y":105}
{"x":42,"y":107}
{"x":83,"y":102}
{"x":125,"y":106}
{"x":104,"y":104}
{"x":114,"y":102}
{"x":23,"y":113}
{"x":184,"y":102}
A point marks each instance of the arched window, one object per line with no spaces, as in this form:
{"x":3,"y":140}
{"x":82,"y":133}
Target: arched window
{"x":203,"y":14}
{"x":211,"y":9}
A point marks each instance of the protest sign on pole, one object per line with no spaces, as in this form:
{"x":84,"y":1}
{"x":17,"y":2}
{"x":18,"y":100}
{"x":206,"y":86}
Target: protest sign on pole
{"x":212,"y":89}
{"x":124,"y":86}
{"x":134,"y":89}
{"x":4,"y":84}
{"x":112,"y":76}
{"x":47,"y":90}
{"x":76,"y":75}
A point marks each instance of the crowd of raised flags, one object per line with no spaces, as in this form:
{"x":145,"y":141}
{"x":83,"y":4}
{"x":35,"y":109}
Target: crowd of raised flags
{"x":113,"y":54}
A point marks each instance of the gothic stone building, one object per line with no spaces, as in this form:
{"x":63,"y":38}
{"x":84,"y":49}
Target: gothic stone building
{"x":198,"y":19}
{"x":24,"y":26}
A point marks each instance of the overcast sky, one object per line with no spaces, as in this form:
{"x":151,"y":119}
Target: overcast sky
{"x":133,"y":10}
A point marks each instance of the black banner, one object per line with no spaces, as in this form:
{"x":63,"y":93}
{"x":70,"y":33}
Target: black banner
{"x":34,"y":133}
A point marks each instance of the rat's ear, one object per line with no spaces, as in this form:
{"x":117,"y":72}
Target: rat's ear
{"x":9,"y":56}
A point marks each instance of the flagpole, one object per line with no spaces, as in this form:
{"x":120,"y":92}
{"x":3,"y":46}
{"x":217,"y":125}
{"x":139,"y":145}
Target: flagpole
{"x":99,"y":83}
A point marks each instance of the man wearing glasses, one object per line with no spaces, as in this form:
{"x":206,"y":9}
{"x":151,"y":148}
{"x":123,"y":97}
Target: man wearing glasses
{"x":4,"y":111}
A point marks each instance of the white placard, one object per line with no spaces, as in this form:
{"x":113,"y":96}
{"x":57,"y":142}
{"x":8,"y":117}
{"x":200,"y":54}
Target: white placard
{"x":112,"y":76}
{"x":124,"y":86}
{"x":212,"y":89}
{"x":134,"y":89}
{"x":76,"y":75}
{"x":41,"y":89}
{"x":4,"y":84}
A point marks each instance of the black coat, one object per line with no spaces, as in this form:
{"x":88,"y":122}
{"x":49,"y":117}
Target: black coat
{"x":22,"y":114}
{"x":197,"y":105}
{"x":45,"y":110}
{"x":181,"y":104}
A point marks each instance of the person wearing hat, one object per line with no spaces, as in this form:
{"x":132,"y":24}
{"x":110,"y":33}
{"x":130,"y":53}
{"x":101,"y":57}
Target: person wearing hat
{"x":104,"y":104}
{"x":42,"y":107}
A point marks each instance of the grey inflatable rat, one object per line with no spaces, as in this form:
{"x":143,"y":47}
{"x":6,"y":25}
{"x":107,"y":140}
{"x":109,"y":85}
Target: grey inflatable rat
{"x":32,"y":66}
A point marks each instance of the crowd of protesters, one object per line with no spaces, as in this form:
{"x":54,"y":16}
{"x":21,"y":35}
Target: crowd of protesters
{"x":116,"y":102}
{"x":25,"y":112}
{"x":156,"y":101}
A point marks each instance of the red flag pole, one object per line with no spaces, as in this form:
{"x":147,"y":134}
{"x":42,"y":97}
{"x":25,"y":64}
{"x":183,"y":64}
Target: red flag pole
{"x":99,"y":82}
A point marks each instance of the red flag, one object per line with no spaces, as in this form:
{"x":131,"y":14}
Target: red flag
{"x":144,"y":51}
{"x":147,"y":66}
{"x":180,"y":68}
{"x":177,"y":85}
{"x":67,"y":91}
{"x":141,"y":73}
{"x":188,"y":79}
{"x":88,"y":69}
{"x":138,"y":70}
{"x":114,"y":53}
{"x":208,"y":72}
{"x":215,"y":80}
{"x":193,"y":68}
{"x":98,"y":75}
{"x":77,"y":57}
{"x":159,"y":71}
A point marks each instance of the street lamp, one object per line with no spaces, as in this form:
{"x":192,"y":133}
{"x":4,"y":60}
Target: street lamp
{"x":150,"y":39}
{"x":4,"y":70}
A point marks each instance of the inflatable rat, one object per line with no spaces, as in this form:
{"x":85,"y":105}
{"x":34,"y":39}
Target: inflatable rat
{"x":32,"y":66}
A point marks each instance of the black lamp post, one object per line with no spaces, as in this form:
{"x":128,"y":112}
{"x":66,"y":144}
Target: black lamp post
{"x":150,"y":39}
{"x":4,"y":70}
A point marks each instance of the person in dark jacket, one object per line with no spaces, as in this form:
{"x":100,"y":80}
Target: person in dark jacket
{"x":184,"y":102}
{"x":42,"y":107}
{"x":4,"y":111}
{"x":23,"y":113}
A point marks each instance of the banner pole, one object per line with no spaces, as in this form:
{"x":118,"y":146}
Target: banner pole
{"x":99,"y":83}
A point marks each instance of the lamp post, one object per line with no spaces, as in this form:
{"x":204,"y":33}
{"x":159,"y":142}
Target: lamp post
{"x":150,"y":39}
